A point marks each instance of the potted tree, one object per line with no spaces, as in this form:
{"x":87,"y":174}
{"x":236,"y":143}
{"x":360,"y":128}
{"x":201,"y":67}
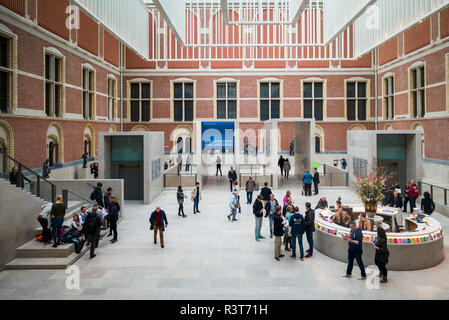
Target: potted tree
{"x":369,"y":189}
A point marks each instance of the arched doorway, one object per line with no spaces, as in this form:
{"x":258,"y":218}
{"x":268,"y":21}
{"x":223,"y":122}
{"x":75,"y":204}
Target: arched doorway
{"x":54,"y":145}
{"x":3,"y":162}
{"x":87,"y":147}
{"x":180,"y":145}
{"x":418,"y":127}
{"x":53,"y":152}
{"x":317,"y":144}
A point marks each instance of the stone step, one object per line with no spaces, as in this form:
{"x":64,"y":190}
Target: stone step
{"x":34,"y":249}
{"x":44,"y":263}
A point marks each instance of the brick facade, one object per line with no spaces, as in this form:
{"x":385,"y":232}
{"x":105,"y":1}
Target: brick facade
{"x":427,"y":44}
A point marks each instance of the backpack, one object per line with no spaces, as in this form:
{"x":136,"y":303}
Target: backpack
{"x":67,"y":237}
{"x":92,"y":195}
{"x":90,"y":224}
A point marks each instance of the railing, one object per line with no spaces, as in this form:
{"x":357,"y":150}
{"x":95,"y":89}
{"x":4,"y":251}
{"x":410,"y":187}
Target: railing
{"x":172,"y":180}
{"x":334,"y":177}
{"x":31,"y":181}
{"x":438,"y":194}
{"x":65,"y":198}
{"x":252,"y":169}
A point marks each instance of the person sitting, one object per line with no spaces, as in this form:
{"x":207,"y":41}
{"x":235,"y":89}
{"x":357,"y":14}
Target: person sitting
{"x":76,"y":223}
{"x":396,"y":201}
{"x":364,"y":223}
{"x":322,"y":204}
{"x":341,"y":218}
{"x":388,"y":198}
{"x":338,"y":204}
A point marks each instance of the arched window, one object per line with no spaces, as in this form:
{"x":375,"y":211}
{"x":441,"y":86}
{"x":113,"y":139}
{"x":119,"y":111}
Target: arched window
{"x":317,"y":144}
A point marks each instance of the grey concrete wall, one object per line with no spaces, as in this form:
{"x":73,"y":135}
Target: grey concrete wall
{"x":18,"y":220}
{"x":154,"y":151}
{"x":83,"y":188}
{"x":402,"y":257}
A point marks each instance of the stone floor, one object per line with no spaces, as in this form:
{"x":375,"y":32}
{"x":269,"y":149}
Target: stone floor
{"x":207,"y":257}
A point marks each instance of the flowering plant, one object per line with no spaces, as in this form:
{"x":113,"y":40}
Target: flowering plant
{"x":369,"y":188}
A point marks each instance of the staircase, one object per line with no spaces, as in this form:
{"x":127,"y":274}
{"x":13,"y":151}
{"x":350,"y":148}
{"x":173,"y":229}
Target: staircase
{"x":19,"y":210}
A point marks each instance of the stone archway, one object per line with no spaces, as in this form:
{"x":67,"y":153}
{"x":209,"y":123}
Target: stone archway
{"x":6,"y":146}
{"x":55,"y":144}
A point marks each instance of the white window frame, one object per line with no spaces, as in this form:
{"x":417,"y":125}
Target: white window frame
{"x":356,"y":98}
{"x":184,"y":99}
{"x":419,"y":90}
{"x":313,"y":98}
{"x":53,"y":83}
{"x":140,"y":99}
{"x":227,"y":99}
{"x":270,"y":99}
{"x":89,"y":94}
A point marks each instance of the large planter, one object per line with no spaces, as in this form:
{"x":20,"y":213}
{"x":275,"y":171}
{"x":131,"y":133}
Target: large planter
{"x":370,"y":208}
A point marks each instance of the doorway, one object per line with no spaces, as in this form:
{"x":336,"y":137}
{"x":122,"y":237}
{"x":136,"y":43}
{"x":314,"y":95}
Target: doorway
{"x":132,"y":177}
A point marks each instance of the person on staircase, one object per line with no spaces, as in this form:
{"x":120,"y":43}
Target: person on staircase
{"x":57,"y":215}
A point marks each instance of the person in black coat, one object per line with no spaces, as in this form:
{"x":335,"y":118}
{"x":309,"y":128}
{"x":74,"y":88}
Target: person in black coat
{"x":309,"y":228}
{"x":427,"y":204}
{"x":278,"y":232}
{"x":382,"y":254}
{"x":91,"y":228}
{"x":316,"y":181}
{"x":265,"y":192}
{"x":97,"y":195}
{"x":258,"y":214}
{"x":158,"y":222}
{"x":232,"y":176}
{"x":113,"y":215}
{"x":281,"y":163}
{"x":355,"y":251}
{"x":15,"y":177}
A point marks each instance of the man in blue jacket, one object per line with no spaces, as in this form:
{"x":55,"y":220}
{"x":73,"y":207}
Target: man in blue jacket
{"x":307,"y":178}
{"x":158,"y":221}
{"x":297,"y":224}
{"x":355,"y":250}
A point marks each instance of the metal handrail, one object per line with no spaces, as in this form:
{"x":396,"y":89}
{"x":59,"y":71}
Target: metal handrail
{"x":65,"y":198}
{"x":38,"y":176}
{"x":432,"y":186}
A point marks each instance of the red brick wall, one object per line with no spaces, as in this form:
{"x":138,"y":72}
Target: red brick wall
{"x":388,"y":51}
{"x":111,"y":49}
{"x":52,"y":16}
{"x":18,"y":6}
{"x":88,"y":34}
{"x":417,"y":37}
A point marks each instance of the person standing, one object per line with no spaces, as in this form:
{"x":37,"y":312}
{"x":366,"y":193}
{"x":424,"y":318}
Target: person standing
{"x":57,"y":215}
{"x":188,"y":163}
{"x":44,"y":220}
{"x":158,"y":223}
{"x":232,"y":176}
{"x":270,"y":209}
{"x":278,"y":226}
{"x":258,"y":213}
{"x":113,"y":215}
{"x":219,"y":166}
{"x":180,"y":197}
{"x":355,"y":251}
{"x":406,"y":196}
{"x":309,"y":228}
{"x":414,"y":194}
{"x":15,"y":177}
{"x":287,"y":168}
{"x":344,"y":164}
{"x":90,"y":228}
{"x":382,"y":254}
{"x":233,"y":204}
{"x":297,"y":224}
{"x":316,"y":181}
{"x":179,"y":162}
{"x":265,"y":193}
{"x":235,"y":189}
{"x":288,"y":230}
{"x":106,"y":200}
{"x":250,"y":187}
{"x":427,"y":204}
{"x":196,"y":197}
{"x":281,"y":165}
{"x":97,"y":195}
{"x":307,"y":179}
